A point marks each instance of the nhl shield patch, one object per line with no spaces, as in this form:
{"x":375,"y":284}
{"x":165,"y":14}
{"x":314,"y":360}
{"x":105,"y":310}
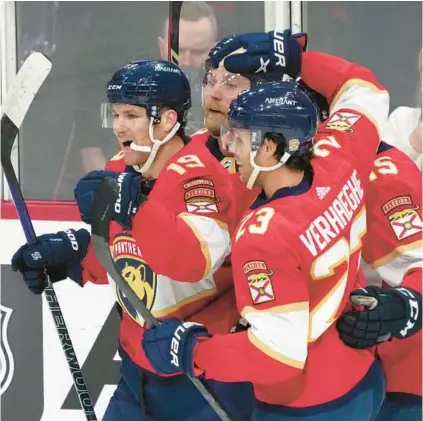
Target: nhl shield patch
{"x":259,"y":279}
{"x":405,"y":223}
{"x":7,"y":364}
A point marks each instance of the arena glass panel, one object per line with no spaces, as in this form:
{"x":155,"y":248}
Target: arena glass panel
{"x":62,"y":138}
{"x":384,"y":36}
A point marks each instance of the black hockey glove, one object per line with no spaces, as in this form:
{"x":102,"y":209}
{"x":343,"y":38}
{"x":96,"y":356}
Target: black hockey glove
{"x":389,"y":312}
{"x":60,"y":255}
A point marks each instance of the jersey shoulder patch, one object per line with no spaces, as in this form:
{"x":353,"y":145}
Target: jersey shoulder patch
{"x":342,"y":121}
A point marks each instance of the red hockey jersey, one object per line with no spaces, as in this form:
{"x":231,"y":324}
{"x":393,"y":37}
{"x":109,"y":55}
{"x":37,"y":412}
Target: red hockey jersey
{"x":180,"y":237}
{"x":393,"y":247}
{"x":296,"y":258}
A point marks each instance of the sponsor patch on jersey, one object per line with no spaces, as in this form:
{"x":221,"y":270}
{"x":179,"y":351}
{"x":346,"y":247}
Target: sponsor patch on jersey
{"x":396,"y":202}
{"x":259,"y":279}
{"x":200,"y":196}
{"x":343,"y":121}
{"x":406,"y":223}
{"x":139,"y":276}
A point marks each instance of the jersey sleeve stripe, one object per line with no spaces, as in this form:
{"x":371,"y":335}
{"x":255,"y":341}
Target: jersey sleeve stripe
{"x":280,"y":332}
{"x":357,"y":83}
{"x":374,"y":102}
{"x":214,"y":238}
{"x":173,"y":309}
{"x":397,"y":252}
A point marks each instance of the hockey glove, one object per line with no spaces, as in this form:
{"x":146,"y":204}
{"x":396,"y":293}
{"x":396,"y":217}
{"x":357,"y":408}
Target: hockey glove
{"x":389,"y":312}
{"x":127,"y":204}
{"x":274,"y":51}
{"x":59,"y":254}
{"x":170,"y":346}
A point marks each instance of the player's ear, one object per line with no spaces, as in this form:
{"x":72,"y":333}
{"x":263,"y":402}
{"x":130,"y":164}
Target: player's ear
{"x":269,"y":148}
{"x":169,"y":119}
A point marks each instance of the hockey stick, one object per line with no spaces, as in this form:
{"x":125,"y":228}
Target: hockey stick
{"x":175,"y":8}
{"x":18,"y":100}
{"x":102,"y":213}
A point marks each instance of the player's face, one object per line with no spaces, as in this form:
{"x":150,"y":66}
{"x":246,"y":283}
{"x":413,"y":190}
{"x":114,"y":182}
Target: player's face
{"x":196,"y":38}
{"x":220,"y":89}
{"x":240,"y":147}
{"x":130,"y":124}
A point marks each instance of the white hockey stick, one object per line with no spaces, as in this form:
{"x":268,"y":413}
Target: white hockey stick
{"x":25,"y":86}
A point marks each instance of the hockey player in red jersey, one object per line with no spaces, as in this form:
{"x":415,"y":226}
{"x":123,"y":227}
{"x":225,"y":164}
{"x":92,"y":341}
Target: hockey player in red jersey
{"x":169,"y":235}
{"x":393,"y":246}
{"x":296,"y":253}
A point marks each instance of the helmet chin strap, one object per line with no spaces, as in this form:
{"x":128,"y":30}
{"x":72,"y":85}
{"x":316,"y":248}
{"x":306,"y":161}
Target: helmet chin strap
{"x":257,"y":168}
{"x":156,"y":145}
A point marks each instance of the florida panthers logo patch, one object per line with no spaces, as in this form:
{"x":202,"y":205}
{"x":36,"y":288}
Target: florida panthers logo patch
{"x":139,"y":276}
{"x":7,"y":363}
{"x":259,"y":279}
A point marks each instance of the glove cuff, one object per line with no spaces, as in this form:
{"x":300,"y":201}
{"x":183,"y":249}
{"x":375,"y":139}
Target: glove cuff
{"x":77,"y":243}
{"x":413,"y":308}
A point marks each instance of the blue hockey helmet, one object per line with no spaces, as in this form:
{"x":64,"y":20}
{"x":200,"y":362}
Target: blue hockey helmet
{"x":278,"y":107}
{"x":152,"y":84}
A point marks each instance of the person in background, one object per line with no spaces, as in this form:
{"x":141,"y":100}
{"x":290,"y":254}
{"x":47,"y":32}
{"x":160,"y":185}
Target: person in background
{"x":197,"y":34}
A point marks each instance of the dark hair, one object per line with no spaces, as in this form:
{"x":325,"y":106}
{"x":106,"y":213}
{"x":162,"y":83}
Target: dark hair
{"x":295,"y":162}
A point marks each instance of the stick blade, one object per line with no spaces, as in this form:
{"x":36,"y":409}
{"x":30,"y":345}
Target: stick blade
{"x":25,"y":86}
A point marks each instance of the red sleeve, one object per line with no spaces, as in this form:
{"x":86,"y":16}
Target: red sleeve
{"x":393,"y":245}
{"x":169,"y":239}
{"x":328,"y":75}
{"x":413,"y":279}
{"x":359,"y":107}
{"x":272,"y":295}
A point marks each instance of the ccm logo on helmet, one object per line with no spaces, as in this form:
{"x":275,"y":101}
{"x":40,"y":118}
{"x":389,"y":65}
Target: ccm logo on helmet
{"x":72,"y":239}
{"x":174,"y":345}
{"x":279,"y":48}
{"x":116,"y":87}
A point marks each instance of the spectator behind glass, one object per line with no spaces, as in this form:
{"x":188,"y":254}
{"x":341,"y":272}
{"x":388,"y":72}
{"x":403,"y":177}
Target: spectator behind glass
{"x":197,"y":35}
{"x":406,"y":123}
